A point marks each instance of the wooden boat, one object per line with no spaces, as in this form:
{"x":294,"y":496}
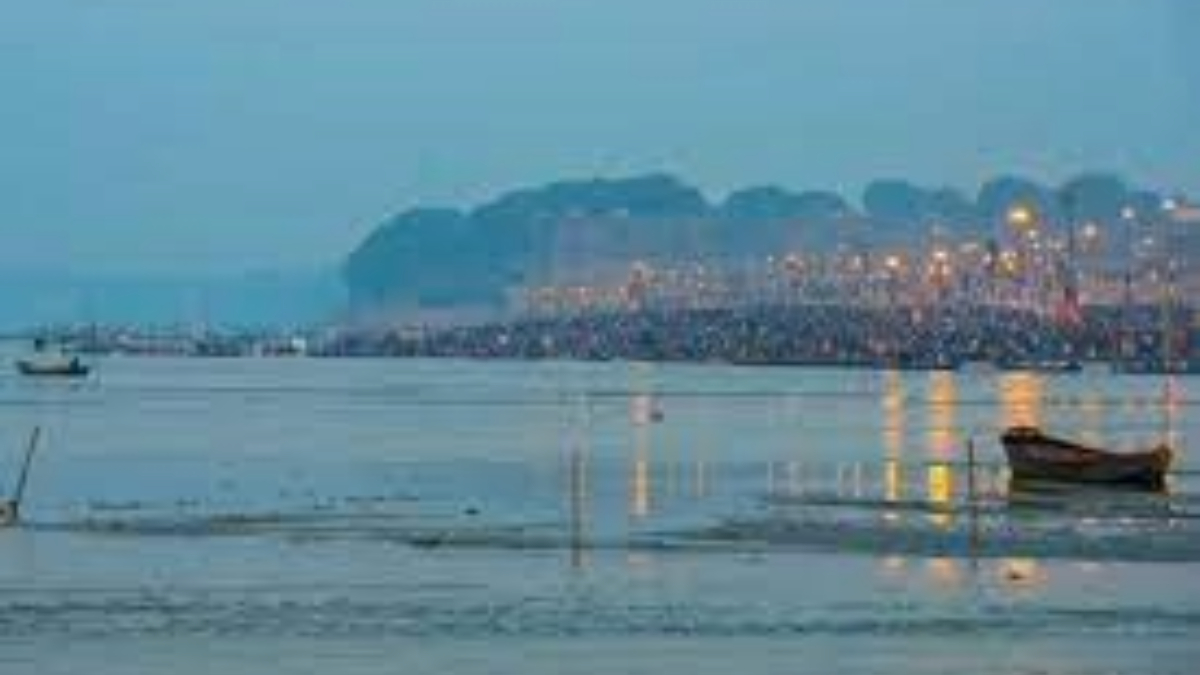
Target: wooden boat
{"x":72,"y":367}
{"x":1035,"y":456}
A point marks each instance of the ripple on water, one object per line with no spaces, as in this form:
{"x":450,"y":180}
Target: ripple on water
{"x":414,"y":612}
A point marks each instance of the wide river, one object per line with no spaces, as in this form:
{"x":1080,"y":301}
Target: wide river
{"x":195,"y":516}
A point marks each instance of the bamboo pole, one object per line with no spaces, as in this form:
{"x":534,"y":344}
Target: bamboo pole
{"x":23,"y":480}
{"x":10,"y":509}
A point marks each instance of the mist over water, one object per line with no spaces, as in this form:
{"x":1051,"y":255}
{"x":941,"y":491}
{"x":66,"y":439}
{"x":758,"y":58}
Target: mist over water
{"x":919,"y":184}
{"x":355,"y":512}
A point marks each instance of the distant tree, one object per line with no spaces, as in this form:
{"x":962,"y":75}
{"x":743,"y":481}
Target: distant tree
{"x":999,"y":196}
{"x":894,"y":201}
{"x":1094,"y":196}
{"x":950,"y":206}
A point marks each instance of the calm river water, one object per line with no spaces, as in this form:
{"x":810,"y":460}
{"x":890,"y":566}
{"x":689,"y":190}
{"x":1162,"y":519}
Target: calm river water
{"x":363,"y":516}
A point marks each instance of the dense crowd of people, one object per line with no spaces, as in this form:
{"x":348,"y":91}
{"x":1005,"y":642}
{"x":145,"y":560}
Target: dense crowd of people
{"x":811,"y":335}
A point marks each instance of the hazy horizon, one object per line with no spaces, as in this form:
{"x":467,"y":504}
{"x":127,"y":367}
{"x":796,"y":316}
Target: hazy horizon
{"x":207,"y":138}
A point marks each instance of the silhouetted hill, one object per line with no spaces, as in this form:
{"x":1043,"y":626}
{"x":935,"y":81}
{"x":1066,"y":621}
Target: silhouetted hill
{"x":442,"y":258}
{"x":770,"y":202}
{"x":654,"y":195}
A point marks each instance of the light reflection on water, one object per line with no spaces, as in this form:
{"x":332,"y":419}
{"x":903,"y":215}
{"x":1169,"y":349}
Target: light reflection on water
{"x":177,"y":474}
{"x":942,"y":405}
{"x":709,"y":435}
{"x":1021,"y":399}
{"x":640,"y":488}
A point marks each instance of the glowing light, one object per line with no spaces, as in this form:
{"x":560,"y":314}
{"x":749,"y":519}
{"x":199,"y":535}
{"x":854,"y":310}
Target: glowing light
{"x":939,"y":482}
{"x":891,"y":481}
{"x":939,"y":487}
{"x":1009,"y":260}
{"x":1021,"y":216}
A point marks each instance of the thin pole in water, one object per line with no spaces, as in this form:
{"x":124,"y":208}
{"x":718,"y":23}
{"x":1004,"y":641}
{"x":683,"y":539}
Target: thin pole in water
{"x":971,"y":471}
{"x":578,"y":487}
{"x":10,"y":509}
{"x":972,"y":502}
{"x":30,"y":450}
{"x":577,"y":482}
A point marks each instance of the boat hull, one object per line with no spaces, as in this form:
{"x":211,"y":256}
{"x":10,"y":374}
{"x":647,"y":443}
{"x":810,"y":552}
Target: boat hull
{"x":52,"y":370}
{"x":1036,"y":457}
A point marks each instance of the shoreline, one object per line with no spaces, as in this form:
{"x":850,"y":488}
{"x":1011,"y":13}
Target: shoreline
{"x":1129,"y":341}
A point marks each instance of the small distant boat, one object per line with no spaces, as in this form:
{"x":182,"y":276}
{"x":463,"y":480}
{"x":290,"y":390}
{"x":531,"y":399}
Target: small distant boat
{"x":645,"y":409}
{"x":48,"y":361}
{"x":57,"y":367}
{"x":1035,"y":456}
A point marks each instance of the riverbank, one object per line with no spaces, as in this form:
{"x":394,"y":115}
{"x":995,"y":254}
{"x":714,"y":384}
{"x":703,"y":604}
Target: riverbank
{"x":1135,"y":340}
{"x":819,"y":335}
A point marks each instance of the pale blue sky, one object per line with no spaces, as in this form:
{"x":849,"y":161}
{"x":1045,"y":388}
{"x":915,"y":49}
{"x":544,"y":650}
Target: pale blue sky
{"x":208,"y":135}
